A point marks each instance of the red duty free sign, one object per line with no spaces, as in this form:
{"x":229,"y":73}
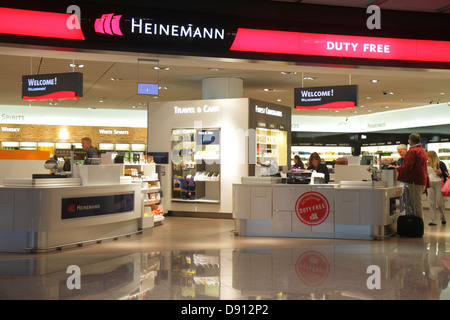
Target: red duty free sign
{"x":346,"y":46}
{"x":312,"y":208}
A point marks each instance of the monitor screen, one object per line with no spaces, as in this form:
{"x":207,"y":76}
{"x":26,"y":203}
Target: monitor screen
{"x":148,"y":88}
{"x":159,"y":157}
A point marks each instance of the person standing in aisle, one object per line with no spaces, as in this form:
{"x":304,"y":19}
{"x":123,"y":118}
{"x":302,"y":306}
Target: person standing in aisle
{"x":91,"y":152}
{"x":413,"y":172}
{"x":402,"y":149}
{"x":298,"y":163}
{"x":315,"y":163}
{"x":437,"y":171}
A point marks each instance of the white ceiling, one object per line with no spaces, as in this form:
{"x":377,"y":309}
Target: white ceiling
{"x":410,"y":87}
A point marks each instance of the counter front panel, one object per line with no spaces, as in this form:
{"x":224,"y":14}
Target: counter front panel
{"x":316,"y":211}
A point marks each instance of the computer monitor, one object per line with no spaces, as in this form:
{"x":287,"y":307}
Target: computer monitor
{"x":148,"y":89}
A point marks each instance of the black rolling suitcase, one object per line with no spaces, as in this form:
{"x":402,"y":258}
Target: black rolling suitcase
{"x":410,"y":225}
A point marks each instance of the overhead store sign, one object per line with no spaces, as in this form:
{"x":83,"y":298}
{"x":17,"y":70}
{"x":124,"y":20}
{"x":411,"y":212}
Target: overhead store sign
{"x":336,"y":97}
{"x":330,"y":45}
{"x":142,"y":29}
{"x":39,"y":24}
{"x":58,"y":86}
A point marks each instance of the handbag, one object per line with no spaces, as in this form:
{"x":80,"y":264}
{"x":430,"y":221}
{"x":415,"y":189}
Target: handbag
{"x":428,"y":182}
{"x":445,"y":189}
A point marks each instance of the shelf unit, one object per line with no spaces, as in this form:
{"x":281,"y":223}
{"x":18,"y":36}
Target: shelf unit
{"x":271,"y":144}
{"x":384,"y":154}
{"x":327,"y":153}
{"x":152,"y":209}
{"x":196,"y":165}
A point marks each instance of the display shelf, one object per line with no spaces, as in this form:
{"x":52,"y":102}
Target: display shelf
{"x":146,"y":175}
{"x":269,"y":145}
{"x":200,"y":200}
{"x":195,"y":163}
{"x":329,"y":154}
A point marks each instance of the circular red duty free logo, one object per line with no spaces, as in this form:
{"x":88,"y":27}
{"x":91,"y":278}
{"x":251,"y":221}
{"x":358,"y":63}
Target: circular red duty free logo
{"x":312,"y":208}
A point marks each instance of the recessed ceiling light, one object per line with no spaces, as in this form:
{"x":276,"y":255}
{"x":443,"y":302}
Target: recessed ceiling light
{"x":161,"y":68}
{"x":268,"y":89}
{"x":368,"y":97}
{"x":214,"y":69}
{"x":374,"y":80}
{"x":115,"y":79}
{"x":442,"y":92}
{"x":163,"y":88}
{"x":309,"y":78}
{"x":287,"y":72}
{"x":73,"y":65}
{"x":363,"y":106}
{"x":279,"y":100}
{"x":386,"y":107}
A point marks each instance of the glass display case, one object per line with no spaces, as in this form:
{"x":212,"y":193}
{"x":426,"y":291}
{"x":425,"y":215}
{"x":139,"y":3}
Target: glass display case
{"x":196,"y":165}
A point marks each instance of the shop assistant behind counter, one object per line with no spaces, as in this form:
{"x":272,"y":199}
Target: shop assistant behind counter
{"x":91,"y":152}
{"x":315,"y":163}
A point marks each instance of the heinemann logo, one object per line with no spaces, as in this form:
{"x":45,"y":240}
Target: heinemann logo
{"x":109,"y":24}
{"x":139,"y":26}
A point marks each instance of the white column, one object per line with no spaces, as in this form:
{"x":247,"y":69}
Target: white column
{"x":222,"y":88}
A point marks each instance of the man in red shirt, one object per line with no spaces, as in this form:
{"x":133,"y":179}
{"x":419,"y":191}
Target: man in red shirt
{"x":413,"y":171}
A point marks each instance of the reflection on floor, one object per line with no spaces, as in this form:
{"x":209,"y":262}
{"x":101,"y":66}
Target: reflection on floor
{"x":190,"y":258}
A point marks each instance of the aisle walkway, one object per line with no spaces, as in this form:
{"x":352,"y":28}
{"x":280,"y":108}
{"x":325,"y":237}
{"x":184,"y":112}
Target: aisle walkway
{"x":191,"y":258}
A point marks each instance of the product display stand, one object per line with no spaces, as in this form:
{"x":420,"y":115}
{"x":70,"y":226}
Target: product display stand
{"x":152,"y":208}
{"x":196,"y":165}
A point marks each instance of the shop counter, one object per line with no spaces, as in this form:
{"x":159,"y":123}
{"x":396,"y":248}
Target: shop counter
{"x":350,"y":211}
{"x":44,"y":214}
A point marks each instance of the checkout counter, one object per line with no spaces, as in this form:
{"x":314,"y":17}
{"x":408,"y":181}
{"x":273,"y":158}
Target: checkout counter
{"x":366,"y":206}
{"x":45,"y":212}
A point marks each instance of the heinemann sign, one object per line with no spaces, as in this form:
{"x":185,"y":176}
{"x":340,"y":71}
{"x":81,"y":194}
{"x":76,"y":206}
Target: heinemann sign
{"x":175,"y":30}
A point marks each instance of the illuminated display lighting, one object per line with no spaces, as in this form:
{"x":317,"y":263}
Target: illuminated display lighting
{"x":316,"y":44}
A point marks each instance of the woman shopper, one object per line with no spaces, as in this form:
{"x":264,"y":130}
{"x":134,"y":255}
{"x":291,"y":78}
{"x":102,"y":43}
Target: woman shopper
{"x":437,"y":172}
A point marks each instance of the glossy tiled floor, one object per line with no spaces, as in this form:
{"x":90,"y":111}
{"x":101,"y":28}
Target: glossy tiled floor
{"x":190,"y":258}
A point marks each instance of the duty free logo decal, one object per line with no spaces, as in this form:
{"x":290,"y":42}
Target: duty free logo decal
{"x":312,"y":208}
